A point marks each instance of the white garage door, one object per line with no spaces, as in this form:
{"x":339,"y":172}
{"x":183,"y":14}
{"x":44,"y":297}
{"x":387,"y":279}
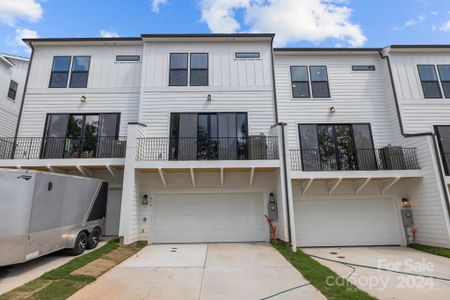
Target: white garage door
{"x":346,"y":222}
{"x":201,"y":217}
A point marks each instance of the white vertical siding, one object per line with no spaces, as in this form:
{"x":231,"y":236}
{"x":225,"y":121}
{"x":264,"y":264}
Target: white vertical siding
{"x":234,"y":85}
{"x":418,"y":114}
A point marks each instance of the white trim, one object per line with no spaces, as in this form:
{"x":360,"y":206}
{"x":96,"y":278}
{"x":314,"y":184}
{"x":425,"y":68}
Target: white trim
{"x":389,"y":183}
{"x":334,"y":185}
{"x":252,"y":174}
{"x":362,"y":185}
{"x":163,"y":175}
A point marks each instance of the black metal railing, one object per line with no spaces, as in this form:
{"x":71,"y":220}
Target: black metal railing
{"x":223,"y":148}
{"x":57,"y":148}
{"x":388,"y":158}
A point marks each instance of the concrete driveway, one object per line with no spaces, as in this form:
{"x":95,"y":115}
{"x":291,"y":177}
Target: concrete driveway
{"x":201,"y":271}
{"x":389,"y":285}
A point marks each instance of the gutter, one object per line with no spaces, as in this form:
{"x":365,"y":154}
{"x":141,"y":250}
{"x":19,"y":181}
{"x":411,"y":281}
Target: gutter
{"x":23,"y":101}
{"x":283,"y":150}
{"x":409,"y":135}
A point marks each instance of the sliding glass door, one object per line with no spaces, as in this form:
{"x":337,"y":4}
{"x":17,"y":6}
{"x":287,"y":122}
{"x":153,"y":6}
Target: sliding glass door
{"x":79,"y":135}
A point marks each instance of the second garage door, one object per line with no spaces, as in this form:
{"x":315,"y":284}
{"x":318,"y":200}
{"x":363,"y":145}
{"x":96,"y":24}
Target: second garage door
{"x":346,"y":222}
{"x":208,"y":217}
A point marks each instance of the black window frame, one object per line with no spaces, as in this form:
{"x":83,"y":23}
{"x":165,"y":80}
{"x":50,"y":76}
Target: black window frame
{"x":79,"y":72}
{"x":445,"y":161}
{"x":301,"y":82}
{"x":247,"y":55}
{"x":443,"y":81}
{"x":179,"y":69}
{"x":198,"y":69}
{"x":437,"y":81}
{"x":60,"y":72}
{"x":319,"y":81}
{"x":12,"y":90}
{"x":364,"y":68}
{"x":128,"y":58}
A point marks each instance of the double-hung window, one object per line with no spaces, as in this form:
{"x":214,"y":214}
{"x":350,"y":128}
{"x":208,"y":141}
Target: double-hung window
{"x":310,"y":82}
{"x":188,"y":69}
{"x":430,"y":81}
{"x":67,"y":70}
{"x":12,"y":91}
{"x":444,"y":73}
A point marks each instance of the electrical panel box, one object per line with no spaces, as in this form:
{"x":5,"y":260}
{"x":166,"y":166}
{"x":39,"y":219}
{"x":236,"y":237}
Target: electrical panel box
{"x":407,"y":217}
{"x":272,"y":209}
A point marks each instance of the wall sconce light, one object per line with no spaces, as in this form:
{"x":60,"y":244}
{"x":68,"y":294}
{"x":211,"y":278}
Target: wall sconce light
{"x":83,"y":99}
{"x":209,"y":98}
{"x":145,"y":199}
{"x":332,"y":110}
{"x":406,"y":203}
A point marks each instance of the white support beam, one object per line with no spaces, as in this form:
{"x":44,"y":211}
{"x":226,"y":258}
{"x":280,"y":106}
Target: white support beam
{"x":390,"y":183}
{"x":334,"y":185}
{"x":18,"y":167}
{"x":84,"y":171}
{"x":162,"y":174}
{"x":362,"y":185}
{"x":222,"y":175}
{"x":306,"y":185}
{"x":252,"y":175}
{"x":192,"y":177}
{"x":55,"y":170}
{"x":114,"y":172}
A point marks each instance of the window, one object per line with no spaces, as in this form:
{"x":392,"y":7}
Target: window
{"x":208,"y":136}
{"x":331,"y":147}
{"x":300,"y":82}
{"x":430,"y":82}
{"x":178,"y":69}
{"x":199,"y":69}
{"x":81,"y":136}
{"x":60,"y":72}
{"x":12,"y":91}
{"x":363,"y":68}
{"x":128,"y":58}
{"x":319,"y":82}
{"x":444,"y":73}
{"x":443,"y":134}
{"x":80,"y":71}
{"x":246,"y":55}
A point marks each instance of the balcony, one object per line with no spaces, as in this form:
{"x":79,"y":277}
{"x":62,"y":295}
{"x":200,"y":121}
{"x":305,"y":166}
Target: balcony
{"x":388,"y":158}
{"x":32,"y":148}
{"x":212,"y":149}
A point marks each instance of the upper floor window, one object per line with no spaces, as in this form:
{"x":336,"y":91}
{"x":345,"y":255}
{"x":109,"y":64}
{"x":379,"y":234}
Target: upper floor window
{"x":12,"y":91}
{"x":179,"y":65}
{"x":247,"y":55}
{"x":78,"y":75}
{"x":80,"y":71}
{"x":313,"y":81}
{"x":60,"y":72}
{"x":430,"y":81}
{"x":444,"y":73}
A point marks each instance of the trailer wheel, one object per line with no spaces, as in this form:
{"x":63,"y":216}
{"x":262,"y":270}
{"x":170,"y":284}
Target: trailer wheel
{"x":93,"y":239}
{"x":80,"y":244}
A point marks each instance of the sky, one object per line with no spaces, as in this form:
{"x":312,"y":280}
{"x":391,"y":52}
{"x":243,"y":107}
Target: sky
{"x":296,"y":23}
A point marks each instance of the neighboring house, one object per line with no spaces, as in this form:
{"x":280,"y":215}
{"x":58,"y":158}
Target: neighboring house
{"x":190,"y":131}
{"x":13,"y":71}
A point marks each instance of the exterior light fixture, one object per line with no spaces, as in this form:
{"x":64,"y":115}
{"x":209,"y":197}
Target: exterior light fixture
{"x":406,"y":203}
{"x":209,"y":98}
{"x":83,"y":99}
{"x":332,"y":110}
{"x":145,"y":199}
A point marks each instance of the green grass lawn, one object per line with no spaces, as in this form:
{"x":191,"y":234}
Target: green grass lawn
{"x":318,"y":275}
{"x":59,"y":283}
{"x":433,"y":250}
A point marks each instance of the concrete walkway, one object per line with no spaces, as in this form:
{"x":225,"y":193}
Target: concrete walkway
{"x":388,"y":285}
{"x":14,"y":276}
{"x":213,"y":271}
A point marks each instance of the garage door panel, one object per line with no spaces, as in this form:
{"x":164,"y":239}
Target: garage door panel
{"x":346,"y":222}
{"x":226,"y":217}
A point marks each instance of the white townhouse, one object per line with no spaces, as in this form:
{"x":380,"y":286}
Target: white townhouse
{"x":199,"y":146}
{"x":13,"y":72}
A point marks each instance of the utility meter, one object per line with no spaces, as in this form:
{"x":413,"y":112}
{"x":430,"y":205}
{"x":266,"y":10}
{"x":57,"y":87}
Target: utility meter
{"x":272,"y":208}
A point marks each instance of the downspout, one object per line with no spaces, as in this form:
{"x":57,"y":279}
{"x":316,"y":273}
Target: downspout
{"x":23,"y":101}
{"x":283,"y":150}
{"x":409,"y":135}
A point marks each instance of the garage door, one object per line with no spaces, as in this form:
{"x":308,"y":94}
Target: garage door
{"x":346,"y":222}
{"x":200,"y":217}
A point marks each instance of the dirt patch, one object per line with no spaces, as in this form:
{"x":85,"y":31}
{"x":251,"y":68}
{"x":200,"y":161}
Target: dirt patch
{"x":95,"y":268}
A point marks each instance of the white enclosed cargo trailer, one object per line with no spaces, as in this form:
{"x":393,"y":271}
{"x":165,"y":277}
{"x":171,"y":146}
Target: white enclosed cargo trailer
{"x":44,"y":212}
